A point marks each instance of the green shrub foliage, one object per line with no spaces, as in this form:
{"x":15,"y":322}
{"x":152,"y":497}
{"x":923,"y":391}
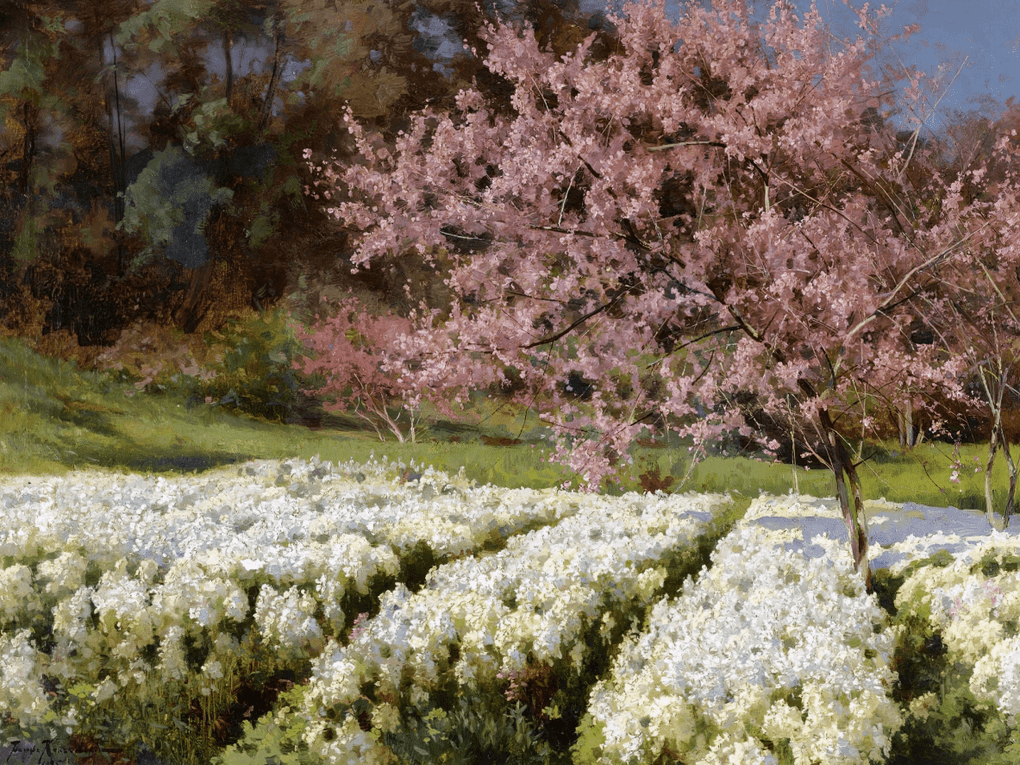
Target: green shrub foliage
{"x":254,"y":373}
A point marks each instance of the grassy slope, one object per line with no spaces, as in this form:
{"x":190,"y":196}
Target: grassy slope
{"x":55,"y":417}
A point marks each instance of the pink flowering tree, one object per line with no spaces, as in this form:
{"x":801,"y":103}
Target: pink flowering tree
{"x":698,"y":228}
{"x":350,"y":350}
{"x":975,"y":309}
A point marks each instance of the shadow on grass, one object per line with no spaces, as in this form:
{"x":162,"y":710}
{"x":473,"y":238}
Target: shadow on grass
{"x":183,"y":463}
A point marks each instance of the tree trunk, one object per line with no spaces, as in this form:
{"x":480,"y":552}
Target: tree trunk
{"x":908,"y":416}
{"x":29,"y":121}
{"x":228,"y":45}
{"x":118,"y":155}
{"x":905,"y":425}
{"x":996,"y":439}
{"x":989,"y":502}
{"x":194,"y":306}
{"x":851,"y":502}
{"x":274,"y":78}
{"x":1010,"y":497}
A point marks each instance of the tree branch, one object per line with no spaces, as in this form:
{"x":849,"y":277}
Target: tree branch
{"x":890,"y":297}
{"x":579,"y":322}
{"x":721,"y":330}
{"x":663,"y":147}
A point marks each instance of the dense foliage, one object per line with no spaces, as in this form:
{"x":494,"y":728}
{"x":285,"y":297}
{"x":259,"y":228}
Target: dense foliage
{"x":149,"y":146}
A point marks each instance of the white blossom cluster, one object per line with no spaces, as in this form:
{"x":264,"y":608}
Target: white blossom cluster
{"x":769,"y":645}
{"x":533,"y":598}
{"x":257,"y":517}
{"x":978,"y":617}
{"x":21,"y":677}
{"x":177,"y":554}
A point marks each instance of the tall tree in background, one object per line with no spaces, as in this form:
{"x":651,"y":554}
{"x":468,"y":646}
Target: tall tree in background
{"x":47,"y":107}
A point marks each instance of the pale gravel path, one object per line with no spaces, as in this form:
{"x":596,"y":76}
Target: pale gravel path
{"x":897,"y":534}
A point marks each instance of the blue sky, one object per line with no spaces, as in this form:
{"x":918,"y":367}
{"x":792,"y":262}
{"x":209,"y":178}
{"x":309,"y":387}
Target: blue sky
{"x":982,"y":36}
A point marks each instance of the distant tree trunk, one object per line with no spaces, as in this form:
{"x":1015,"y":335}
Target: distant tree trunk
{"x":908,"y":420}
{"x":194,"y":307}
{"x":117,"y":157}
{"x":905,"y":425}
{"x":274,"y":78}
{"x":228,"y":45}
{"x":29,"y":121}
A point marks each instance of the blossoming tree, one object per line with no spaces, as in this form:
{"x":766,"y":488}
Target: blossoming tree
{"x":702,"y":225}
{"x":973,"y":309}
{"x":349,"y":349}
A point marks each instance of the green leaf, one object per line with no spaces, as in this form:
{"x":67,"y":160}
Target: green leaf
{"x":23,"y":79}
{"x":293,"y":186}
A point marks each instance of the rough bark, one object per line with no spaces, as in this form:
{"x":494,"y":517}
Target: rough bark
{"x":851,"y":502}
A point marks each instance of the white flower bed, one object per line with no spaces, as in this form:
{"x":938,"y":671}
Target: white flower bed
{"x":977,"y":616}
{"x":768,"y":645}
{"x":534,"y":598}
{"x":775,"y":649}
{"x":177,"y":555}
{"x":246,"y":519}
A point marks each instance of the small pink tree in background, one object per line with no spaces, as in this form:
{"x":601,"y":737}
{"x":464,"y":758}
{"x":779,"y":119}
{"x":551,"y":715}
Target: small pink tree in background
{"x":352,"y":351}
{"x":702,"y":225}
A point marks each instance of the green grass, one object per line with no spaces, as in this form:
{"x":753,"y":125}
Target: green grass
{"x":55,"y":417}
{"x":920,"y":475}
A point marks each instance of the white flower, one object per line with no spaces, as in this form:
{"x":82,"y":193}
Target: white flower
{"x":173,"y":665}
{"x":213,"y":670}
{"x":386,"y":718}
{"x":105,"y":691}
{"x":17,"y":595}
{"x":922,"y":706}
{"x":63,"y":574}
{"x":729,"y":748}
{"x":287,"y":620}
{"x":21,"y":692}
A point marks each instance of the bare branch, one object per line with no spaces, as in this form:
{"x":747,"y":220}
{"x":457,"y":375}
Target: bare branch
{"x":680,"y":144}
{"x":721,"y":330}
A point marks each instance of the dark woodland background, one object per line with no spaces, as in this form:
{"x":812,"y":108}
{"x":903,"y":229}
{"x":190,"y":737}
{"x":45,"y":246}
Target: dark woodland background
{"x":151,"y":162}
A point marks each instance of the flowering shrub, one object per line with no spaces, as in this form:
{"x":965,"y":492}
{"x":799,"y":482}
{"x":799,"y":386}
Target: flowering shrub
{"x":351,"y":354}
{"x":489,"y":622}
{"x":153,"y":354}
{"x":742,"y":666}
{"x":974,"y":604}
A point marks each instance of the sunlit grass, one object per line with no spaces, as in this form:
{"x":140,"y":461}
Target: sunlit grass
{"x":920,"y":475}
{"x":55,"y":417}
